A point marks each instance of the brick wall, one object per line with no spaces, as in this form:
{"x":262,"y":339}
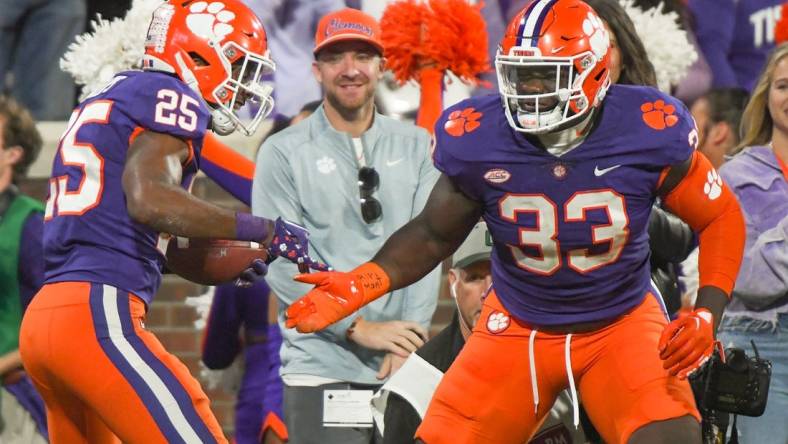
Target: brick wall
{"x":173,"y":321}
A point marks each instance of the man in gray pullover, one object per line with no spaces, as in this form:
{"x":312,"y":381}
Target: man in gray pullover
{"x":352,"y":177}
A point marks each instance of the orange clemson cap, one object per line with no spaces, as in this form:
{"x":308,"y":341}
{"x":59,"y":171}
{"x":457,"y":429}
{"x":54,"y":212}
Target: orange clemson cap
{"x":347,"y":24}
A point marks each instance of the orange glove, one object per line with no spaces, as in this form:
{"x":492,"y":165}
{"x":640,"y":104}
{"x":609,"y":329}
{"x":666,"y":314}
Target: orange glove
{"x":687,"y":343}
{"x":335,"y":296}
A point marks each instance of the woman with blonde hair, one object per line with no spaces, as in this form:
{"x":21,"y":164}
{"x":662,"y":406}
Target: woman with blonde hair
{"x":758,"y":175}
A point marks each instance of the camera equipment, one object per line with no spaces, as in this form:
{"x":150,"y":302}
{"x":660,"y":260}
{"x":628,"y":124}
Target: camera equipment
{"x":736,"y":383}
{"x":731,"y":383}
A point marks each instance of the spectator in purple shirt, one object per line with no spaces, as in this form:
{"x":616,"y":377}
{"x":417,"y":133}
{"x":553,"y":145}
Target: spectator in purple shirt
{"x":238,"y":323}
{"x":21,"y":272}
{"x":758,"y":176}
{"x":735,"y":37}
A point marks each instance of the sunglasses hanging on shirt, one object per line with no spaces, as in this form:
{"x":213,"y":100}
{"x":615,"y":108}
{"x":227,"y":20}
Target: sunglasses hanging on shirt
{"x":368,"y":183}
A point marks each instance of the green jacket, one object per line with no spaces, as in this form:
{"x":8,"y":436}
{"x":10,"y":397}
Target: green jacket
{"x":11,"y":223}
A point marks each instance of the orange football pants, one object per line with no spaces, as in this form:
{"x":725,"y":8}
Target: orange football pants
{"x":103,"y":377}
{"x":487,"y":395}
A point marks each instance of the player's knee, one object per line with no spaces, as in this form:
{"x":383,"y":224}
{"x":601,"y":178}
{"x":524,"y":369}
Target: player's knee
{"x":684,"y":429}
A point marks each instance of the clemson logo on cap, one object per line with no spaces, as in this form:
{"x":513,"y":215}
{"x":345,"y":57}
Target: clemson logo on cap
{"x":338,"y":25}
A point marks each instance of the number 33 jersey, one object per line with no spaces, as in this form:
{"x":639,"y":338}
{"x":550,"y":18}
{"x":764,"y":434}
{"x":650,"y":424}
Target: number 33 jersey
{"x":570,"y":232}
{"x":88,"y":233}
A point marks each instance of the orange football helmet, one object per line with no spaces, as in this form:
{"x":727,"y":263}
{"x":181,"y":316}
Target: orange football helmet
{"x":552,"y":65}
{"x":220,"y":49}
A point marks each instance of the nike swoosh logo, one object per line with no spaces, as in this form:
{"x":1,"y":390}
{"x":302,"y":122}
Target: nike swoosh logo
{"x":391,"y":163}
{"x":555,"y":50}
{"x":599,"y":172}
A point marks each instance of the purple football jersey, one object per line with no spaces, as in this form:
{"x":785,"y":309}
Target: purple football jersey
{"x":570,"y":232}
{"x":88,"y":233}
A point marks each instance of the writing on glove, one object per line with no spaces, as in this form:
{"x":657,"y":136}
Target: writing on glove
{"x":687,"y":343}
{"x":335,"y":296}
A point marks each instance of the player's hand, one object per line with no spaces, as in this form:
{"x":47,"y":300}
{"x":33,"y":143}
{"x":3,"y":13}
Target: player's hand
{"x":291,"y":242}
{"x":687,"y":343}
{"x":257,"y":270}
{"x":399,"y":337}
{"x":335,"y":296}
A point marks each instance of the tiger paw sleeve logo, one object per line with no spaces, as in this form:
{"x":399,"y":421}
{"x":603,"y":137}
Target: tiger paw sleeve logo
{"x":658,"y":115}
{"x":461,"y":122}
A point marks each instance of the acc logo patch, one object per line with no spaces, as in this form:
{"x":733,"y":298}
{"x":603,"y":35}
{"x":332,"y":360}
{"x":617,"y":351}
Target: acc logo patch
{"x":461,"y":122}
{"x":497,"y":322}
{"x":497,"y":175}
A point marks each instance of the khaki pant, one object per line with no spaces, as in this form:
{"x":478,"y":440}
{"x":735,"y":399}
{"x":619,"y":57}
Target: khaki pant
{"x":18,"y":426}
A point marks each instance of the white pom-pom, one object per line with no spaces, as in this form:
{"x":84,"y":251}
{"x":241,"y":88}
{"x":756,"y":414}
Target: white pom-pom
{"x":667,"y":45}
{"x":112,"y":47}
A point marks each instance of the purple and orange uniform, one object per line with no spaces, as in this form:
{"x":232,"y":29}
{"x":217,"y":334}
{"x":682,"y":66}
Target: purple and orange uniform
{"x":570,"y":247}
{"x":103,"y":376}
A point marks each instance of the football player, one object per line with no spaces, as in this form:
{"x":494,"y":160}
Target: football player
{"x":565,"y":174}
{"x":120,"y":177}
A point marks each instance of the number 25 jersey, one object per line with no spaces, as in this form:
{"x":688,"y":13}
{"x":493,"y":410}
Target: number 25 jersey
{"x":570,"y":231}
{"x":88,"y":233}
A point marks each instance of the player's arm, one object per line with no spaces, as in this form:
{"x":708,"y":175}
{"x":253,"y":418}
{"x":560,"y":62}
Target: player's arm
{"x":694,"y":192}
{"x":409,"y":254}
{"x":154,"y":197}
{"x":228,"y":168}
{"x":151,"y":182}
{"x":421,"y":244}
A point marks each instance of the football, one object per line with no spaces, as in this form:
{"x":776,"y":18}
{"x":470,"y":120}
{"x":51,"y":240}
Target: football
{"x":211,"y":261}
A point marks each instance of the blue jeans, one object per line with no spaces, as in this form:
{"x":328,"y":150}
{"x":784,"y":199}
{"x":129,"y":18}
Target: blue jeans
{"x":772,"y":342}
{"x":34,"y":35}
